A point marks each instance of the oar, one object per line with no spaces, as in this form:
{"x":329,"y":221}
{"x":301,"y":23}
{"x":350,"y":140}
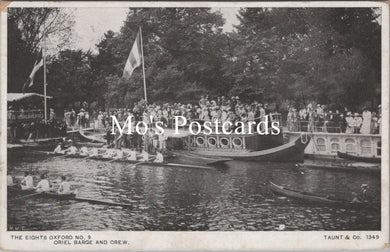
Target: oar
{"x":26,"y":196}
{"x":134,"y":165}
{"x":86,"y":157}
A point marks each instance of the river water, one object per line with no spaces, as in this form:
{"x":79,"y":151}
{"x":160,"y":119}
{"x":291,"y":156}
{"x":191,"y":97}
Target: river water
{"x":236,"y":197}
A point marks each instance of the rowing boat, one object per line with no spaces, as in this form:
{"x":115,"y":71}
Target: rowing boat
{"x":13,"y":190}
{"x":357,"y":167}
{"x":314,"y":198}
{"x":358,"y":158}
{"x":124,"y":160}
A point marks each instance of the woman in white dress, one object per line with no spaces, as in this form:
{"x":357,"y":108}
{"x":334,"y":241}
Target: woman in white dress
{"x":366,"y":125}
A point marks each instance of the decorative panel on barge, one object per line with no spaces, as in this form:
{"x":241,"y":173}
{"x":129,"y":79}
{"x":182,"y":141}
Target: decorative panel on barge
{"x":252,"y":147}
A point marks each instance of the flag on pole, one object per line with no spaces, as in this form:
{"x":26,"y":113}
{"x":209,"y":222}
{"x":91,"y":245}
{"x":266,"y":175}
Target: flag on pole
{"x":37,"y":65}
{"x":134,"y":59}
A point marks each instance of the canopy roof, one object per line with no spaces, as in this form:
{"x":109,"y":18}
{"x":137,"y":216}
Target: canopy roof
{"x":11,"y":97}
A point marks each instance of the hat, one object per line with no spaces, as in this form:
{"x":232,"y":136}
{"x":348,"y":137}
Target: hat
{"x":349,"y":113}
{"x":356,"y":114}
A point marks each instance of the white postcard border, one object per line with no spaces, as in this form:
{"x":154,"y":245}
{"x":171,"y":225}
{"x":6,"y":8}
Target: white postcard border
{"x":204,"y":240}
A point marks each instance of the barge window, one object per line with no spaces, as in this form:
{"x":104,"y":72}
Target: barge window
{"x":321,"y":144}
{"x":335,"y":146}
{"x":365,"y":146}
{"x":350,"y":145}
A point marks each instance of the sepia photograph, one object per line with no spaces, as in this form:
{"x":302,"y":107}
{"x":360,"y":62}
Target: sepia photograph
{"x":224,"y":117}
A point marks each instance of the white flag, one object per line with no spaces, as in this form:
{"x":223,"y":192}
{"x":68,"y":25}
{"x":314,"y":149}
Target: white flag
{"x":134,"y":59}
{"x":38,"y":64}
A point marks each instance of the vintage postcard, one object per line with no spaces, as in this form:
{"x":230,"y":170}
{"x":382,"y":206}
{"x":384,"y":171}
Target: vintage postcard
{"x":194,"y":126}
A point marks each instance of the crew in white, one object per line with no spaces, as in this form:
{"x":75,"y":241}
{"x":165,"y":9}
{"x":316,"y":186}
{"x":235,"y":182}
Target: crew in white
{"x":59,"y":150}
{"x":94,"y":152}
{"x":10,"y":180}
{"x":144,"y":156}
{"x":27,"y":182}
{"x":84,"y":151}
{"x":159,"y":157}
{"x":64,"y":186}
{"x":43,"y":185}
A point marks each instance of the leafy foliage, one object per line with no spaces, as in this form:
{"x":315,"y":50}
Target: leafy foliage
{"x":281,"y":55}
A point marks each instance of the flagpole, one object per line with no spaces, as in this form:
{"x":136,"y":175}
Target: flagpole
{"x":143,"y":66}
{"x":44,"y":82}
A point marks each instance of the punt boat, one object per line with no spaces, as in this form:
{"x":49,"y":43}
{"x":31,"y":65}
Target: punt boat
{"x":315,"y":199}
{"x":359,"y":158}
{"x":355,"y":166}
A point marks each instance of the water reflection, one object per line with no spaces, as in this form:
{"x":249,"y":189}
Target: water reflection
{"x":233,"y":198}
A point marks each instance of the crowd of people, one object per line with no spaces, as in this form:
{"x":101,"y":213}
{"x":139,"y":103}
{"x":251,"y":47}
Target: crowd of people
{"x":313,"y":118}
{"x":320,"y":118}
{"x":80,"y":119}
{"x":34,"y":126}
{"x":220,"y":109}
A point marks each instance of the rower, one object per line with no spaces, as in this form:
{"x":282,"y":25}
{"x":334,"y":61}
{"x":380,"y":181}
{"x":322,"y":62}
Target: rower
{"x":144,"y":156}
{"x":364,"y":191}
{"x":27,"y":182}
{"x":60,"y":149}
{"x":118,"y":154}
{"x":84,"y":151}
{"x":94,"y":152}
{"x":43,"y":185}
{"x":356,"y":198}
{"x":72,"y":150}
{"x":64,"y":186}
{"x":132,"y":155}
{"x":10,"y":180}
{"x":159,"y":157}
{"x":109,"y":153}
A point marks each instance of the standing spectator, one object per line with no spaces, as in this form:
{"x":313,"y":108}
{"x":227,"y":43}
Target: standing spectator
{"x":357,"y":123}
{"x":86,"y":118}
{"x":350,"y":123}
{"x":342,"y":123}
{"x":366,"y":124}
{"x":52,"y":115}
{"x":80,"y":118}
{"x":72,"y":117}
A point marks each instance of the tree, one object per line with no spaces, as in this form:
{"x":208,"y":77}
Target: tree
{"x":27,"y":29}
{"x":308,"y":54}
{"x":70,"y":79}
{"x":184,"y":51}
